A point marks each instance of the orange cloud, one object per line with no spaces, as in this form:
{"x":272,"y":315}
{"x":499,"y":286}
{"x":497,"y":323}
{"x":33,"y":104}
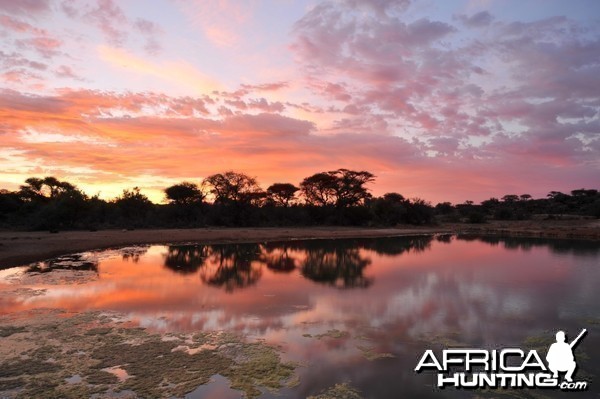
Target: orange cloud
{"x":181,"y":73}
{"x":105,"y":141}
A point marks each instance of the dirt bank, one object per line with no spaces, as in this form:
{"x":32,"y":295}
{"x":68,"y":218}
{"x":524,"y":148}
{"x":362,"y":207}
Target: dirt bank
{"x":18,"y":248}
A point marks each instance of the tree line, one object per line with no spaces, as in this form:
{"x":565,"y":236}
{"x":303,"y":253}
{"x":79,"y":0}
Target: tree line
{"x":338,"y":197}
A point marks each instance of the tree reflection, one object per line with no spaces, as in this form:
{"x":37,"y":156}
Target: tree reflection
{"x":277,"y":257}
{"x":186,"y":259}
{"x":134,"y":254}
{"x":393,"y":246}
{"x":338,"y":264}
{"x":233,"y":266}
{"x":557,"y":246}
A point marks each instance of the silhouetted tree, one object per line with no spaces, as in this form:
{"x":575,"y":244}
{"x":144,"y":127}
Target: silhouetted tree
{"x":351,"y":188}
{"x":319,"y":189}
{"x":390,"y":209}
{"x":338,"y":197}
{"x":282,"y":193}
{"x":444,"y":208}
{"x":341,"y":188}
{"x":232,"y":187}
{"x":510,"y":198}
{"x":184,"y":193}
{"x":44,"y":189}
{"x":419,"y":212}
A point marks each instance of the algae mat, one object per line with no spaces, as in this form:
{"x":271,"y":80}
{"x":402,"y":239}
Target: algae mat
{"x":53,"y":354}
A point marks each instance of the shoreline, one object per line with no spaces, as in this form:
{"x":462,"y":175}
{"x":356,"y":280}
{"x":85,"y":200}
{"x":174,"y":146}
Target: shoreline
{"x":19,"y":248}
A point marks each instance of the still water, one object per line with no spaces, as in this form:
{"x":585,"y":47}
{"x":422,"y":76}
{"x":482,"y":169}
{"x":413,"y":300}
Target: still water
{"x":360,"y":311}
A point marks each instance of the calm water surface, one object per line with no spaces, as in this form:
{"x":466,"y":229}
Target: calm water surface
{"x":385,"y":297}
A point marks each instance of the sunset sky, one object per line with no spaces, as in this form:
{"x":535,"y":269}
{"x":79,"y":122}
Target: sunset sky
{"x":443,"y":100}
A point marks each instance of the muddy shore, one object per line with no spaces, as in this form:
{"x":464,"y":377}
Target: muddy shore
{"x":18,"y":248}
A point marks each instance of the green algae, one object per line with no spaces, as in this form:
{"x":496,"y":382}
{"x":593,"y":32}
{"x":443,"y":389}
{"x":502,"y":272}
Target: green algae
{"x":89,"y":344}
{"x":370,"y":353}
{"x":448,"y":340}
{"x":18,"y":367}
{"x":339,"y":391}
{"x":7,"y":331}
{"x":541,"y":342}
{"x":258,"y":365}
{"x":335,"y":334}
{"x":100,"y":377}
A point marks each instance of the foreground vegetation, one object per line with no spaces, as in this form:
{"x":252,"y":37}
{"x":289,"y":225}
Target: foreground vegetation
{"x":339,"y":197}
{"x":53,"y":354}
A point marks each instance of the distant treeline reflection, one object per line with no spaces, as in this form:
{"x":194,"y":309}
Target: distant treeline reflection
{"x":339,"y":263}
{"x":557,"y":246}
{"x":336,"y":263}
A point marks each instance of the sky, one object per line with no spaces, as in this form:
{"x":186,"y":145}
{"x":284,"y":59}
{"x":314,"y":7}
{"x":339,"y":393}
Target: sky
{"x":442,"y":100}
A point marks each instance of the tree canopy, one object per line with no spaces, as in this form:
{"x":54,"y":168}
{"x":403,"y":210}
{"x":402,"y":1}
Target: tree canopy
{"x":342,"y":188}
{"x":184,"y":193}
{"x":233,"y":187}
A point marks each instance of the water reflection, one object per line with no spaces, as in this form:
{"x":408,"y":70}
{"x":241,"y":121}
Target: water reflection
{"x":337,"y":264}
{"x":186,"y":259}
{"x":233,"y":266}
{"x":133,"y":254}
{"x":393,"y":296}
{"x":557,"y":246}
{"x":279,"y":258}
{"x":81,"y":262}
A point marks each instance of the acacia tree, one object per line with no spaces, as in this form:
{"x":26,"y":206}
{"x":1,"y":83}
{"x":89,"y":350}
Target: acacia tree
{"x":233,"y":187}
{"x":342,"y":188}
{"x":44,"y":189}
{"x":351,"y":188}
{"x":319,"y":189}
{"x":184,"y":193}
{"x":282,"y":193}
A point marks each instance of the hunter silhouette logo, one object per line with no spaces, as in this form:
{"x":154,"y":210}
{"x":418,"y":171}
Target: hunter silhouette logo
{"x":507,"y":367}
{"x":560,"y":355}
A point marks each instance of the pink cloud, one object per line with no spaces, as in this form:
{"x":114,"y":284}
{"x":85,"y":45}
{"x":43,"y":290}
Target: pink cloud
{"x":17,"y":25}
{"x":434,"y":86}
{"x":220,"y":21}
{"x":272,"y":86}
{"x":25,"y":7}
{"x":151,"y":31}
{"x":443,"y":110}
{"x":46,"y":46}
{"x":12,"y":60}
{"x":110,"y":19}
{"x":65,"y":71}
{"x":69,"y":7}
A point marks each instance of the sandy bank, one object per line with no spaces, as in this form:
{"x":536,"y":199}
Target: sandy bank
{"x":18,"y":248}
